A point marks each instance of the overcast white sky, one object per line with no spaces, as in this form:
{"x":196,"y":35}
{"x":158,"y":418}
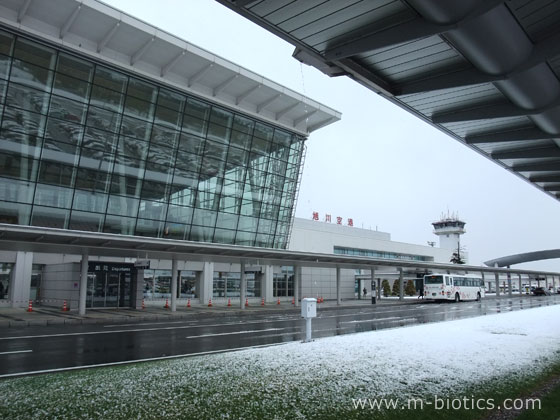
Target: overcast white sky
{"x":379,"y":165}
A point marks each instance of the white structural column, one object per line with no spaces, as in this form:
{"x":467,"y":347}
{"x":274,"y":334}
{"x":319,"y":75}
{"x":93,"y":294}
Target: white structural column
{"x":401,"y":284}
{"x":338,"y":297}
{"x":267,"y":281}
{"x":372,"y":282}
{"x":205,"y":282}
{"x":242,"y":286}
{"x":83,"y":284}
{"x":510,"y":292}
{"x":484,"y":280}
{"x":497,"y":283}
{"x":20,"y":283}
{"x":297,"y":279}
{"x":225,"y":287}
{"x":174,"y":273}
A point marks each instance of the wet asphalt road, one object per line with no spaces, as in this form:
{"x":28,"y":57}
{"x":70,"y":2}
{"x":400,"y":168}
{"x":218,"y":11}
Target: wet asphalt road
{"x":46,"y":348}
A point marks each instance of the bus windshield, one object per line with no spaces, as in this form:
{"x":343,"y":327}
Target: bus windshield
{"x":433,"y":279}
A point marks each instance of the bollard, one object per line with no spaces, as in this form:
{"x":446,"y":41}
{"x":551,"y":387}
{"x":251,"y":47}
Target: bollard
{"x":143,"y":305}
{"x":189,"y":303}
{"x":30,"y":307}
{"x":166,"y":306}
{"x":210,"y":303}
{"x":229,"y":302}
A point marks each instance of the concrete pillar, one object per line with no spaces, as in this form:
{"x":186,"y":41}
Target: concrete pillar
{"x":497,"y":276}
{"x":510,"y":292}
{"x":20,"y":280}
{"x":225,"y":286}
{"x":520,"y":291}
{"x":378,"y":288}
{"x":138,"y":290}
{"x":205,"y":282}
{"x":83,"y":284}
{"x":373,"y":282}
{"x":242,"y":285}
{"x":483,"y":279}
{"x":267,"y":283}
{"x":297,"y":280}
{"x":401,"y":284}
{"x":174,"y":273}
{"x":338,"y":297}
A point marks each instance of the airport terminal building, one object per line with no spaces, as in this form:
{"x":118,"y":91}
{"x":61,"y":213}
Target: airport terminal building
{"x":109,"y":125}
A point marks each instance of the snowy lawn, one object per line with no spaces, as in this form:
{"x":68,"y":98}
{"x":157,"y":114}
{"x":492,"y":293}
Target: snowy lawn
{"x":481,"y":357}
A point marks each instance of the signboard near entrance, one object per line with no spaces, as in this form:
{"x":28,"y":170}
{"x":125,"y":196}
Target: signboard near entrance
{"x":142,"y":264}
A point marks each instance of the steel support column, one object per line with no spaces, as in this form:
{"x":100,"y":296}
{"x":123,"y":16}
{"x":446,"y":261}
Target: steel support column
{"x":242,"y":286}
{"x":338,"y":297}
{"x":174,"y":272}
{"x":83,"y":284}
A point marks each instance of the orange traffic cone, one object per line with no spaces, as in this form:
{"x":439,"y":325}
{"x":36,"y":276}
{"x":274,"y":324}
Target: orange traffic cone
{"x":293,"y":301}
{"x":188,"y":303}
{"x":210,"y":303}
{"x":30,"y":307}
{"x":278,"y":303}
{"x":246,"y":301}
{"x":262,"y":302}
{"x":166,"y":304}
{"x":64,"y":307}
{"x":229,"y":302}
{"x":143,"y":306}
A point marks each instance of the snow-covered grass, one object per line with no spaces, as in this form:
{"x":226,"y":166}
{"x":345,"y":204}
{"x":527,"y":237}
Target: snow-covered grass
{"x":477,"y":356}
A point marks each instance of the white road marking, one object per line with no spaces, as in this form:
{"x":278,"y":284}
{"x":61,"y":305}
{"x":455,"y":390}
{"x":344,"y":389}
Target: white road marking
{"x":151,"y":359}
{"x":369,"y":320}
{"x":15,"y":351}
{"x":235,"y":332}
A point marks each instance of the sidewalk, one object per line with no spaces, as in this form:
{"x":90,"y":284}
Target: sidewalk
{"x":19,"y":317}
{"x":42,"y":315}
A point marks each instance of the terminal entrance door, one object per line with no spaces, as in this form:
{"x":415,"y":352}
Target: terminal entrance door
{"x":109,"y":286}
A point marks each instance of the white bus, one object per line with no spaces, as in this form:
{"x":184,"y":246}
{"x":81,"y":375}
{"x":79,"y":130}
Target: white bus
{"x":455,"y":287}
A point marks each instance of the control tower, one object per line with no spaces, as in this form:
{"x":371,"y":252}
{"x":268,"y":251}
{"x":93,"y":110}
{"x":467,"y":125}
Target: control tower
{"x":449,"y":229}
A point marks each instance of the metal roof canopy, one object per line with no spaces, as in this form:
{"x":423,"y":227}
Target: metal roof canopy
{"x":486,"y":72}
{"x":49,"y":240}
{"x":525,"y":257}
{"x":104,"y":33}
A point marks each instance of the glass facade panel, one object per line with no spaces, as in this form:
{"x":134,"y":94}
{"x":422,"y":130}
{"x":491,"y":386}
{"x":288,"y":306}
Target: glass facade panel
{"x":86,"y":147}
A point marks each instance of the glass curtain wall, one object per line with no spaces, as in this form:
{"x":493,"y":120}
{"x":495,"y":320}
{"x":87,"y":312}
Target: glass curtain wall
{"x":5,"y":276}
{"x":90,"y":148}
{"x":283,"y":282}
{"x":228,"y":284}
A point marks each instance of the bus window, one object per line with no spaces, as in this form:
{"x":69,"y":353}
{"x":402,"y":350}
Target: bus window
{"x":449,"y":281}
{"x":433,"y":279}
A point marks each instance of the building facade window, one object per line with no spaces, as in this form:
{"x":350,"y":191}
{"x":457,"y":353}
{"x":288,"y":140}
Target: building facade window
{"x":283,"y":282}
{"x":228,"y":284}
{"x":87,"y":147}
{"x":380,"y":254}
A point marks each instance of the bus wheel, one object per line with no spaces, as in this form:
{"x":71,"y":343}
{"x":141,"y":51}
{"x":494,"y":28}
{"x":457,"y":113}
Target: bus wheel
{"x":478,"y":298}
{"x":457,"y":299}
